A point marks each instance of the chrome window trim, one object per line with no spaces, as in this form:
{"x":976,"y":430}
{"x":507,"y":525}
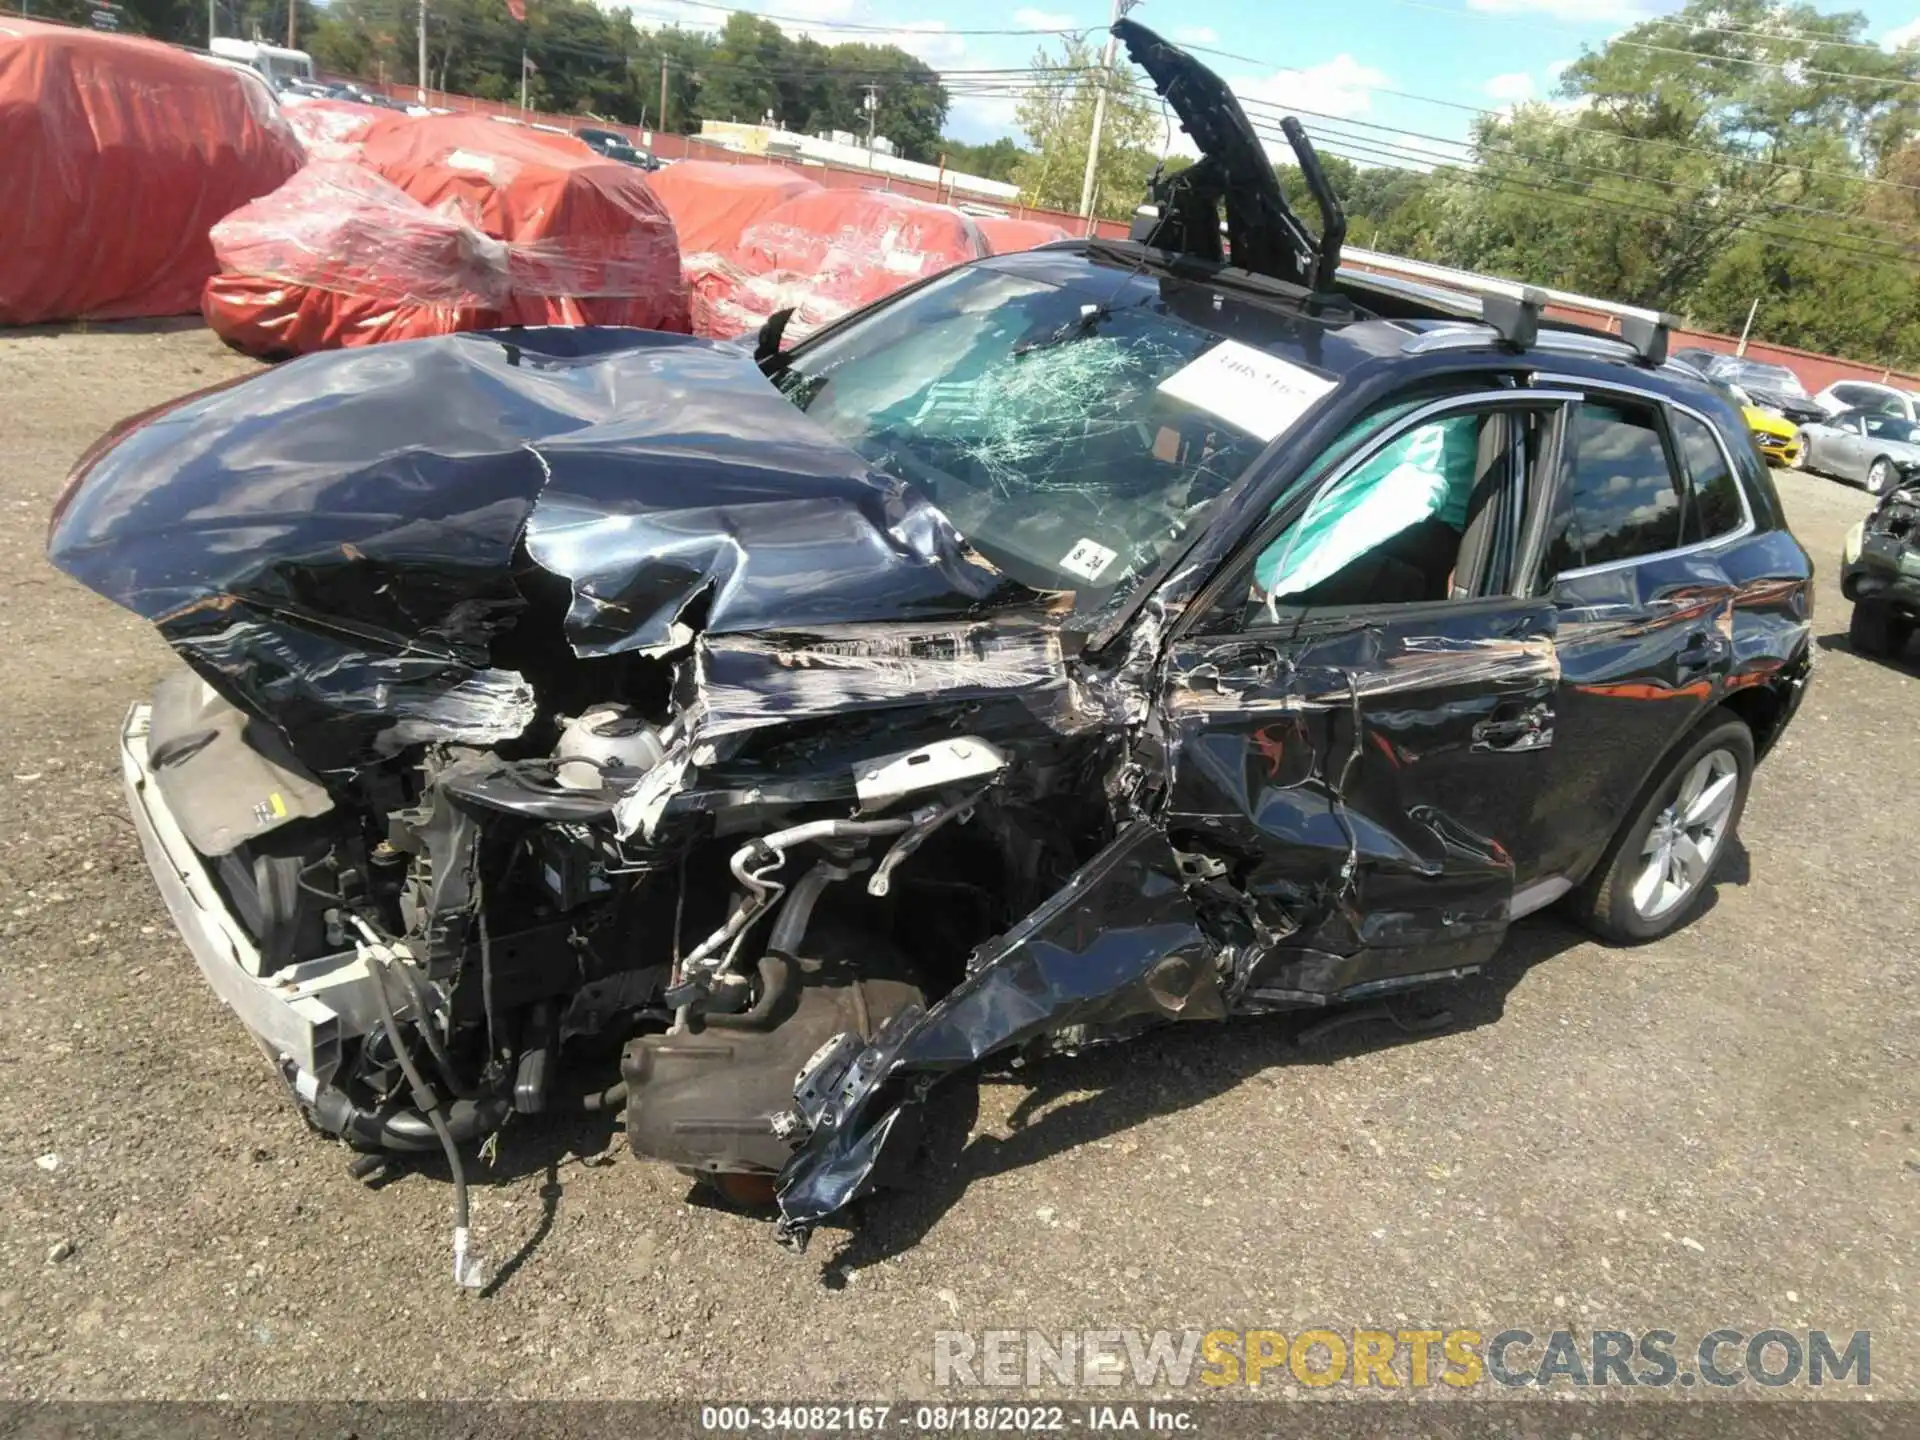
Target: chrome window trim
{"x":1747,"y":526}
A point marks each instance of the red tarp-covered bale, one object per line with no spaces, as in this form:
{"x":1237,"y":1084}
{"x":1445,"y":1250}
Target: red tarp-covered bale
{"x":825,"y":254}
{"x":340,"y":256}
{"x":591,"y":243}
{"x":1004,"y":234}
{"x":116,"y":156}
{"x":335,"y":129}
{"x":712,"y":202}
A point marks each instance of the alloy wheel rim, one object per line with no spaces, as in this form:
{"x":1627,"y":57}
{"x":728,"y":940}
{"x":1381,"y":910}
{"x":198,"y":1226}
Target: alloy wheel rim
{"x":1685,"y":837}
{"x":1877,"y":477}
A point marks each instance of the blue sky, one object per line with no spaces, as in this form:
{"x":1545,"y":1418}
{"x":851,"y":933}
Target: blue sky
{"x":1412,"y":65}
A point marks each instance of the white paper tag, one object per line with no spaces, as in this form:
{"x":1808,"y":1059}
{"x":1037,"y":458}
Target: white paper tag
{"x":1087,"y":559}
{"x":1248,"y":388}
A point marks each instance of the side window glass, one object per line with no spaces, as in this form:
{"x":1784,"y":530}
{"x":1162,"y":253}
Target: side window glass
{"x":1386,"y":532}
{"x":1618,"y":496}
{"x":1713,"y":508}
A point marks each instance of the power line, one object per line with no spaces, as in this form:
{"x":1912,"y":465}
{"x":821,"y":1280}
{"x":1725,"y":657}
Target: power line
{"x":1808,"y":36}
{"x":1371,"y":151}
{"x":852,"y":25}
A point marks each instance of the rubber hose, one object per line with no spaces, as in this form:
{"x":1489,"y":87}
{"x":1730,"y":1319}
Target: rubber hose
{"x":421,"y":1003}
{"x":424,"y":1093}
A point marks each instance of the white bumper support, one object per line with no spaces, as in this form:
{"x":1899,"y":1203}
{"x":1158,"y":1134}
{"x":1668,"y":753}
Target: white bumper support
{"x":299,"y":1016}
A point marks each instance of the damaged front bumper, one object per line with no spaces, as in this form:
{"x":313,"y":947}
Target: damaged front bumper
{"x":300,"y":1016}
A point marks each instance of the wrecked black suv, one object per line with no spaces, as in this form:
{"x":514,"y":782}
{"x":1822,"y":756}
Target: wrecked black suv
{"x":1110,"y":634}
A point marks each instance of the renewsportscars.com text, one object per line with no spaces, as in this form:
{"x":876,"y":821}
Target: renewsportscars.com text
{"x":1402,"y":1358}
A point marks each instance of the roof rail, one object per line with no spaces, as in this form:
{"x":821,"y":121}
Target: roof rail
{"x":1515,"y":310}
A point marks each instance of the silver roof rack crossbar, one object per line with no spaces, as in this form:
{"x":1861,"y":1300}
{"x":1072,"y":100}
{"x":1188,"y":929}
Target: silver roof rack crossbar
{"x":1506,"y":304}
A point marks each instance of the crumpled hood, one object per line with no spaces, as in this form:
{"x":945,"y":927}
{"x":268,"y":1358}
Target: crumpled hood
{"x":339,"y":536}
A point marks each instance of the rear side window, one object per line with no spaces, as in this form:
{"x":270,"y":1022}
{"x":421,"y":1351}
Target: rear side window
{"x":1618,"y":497}
{"x":1713,"y":506}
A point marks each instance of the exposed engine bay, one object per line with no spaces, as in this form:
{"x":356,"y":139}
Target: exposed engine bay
{"x":521,"y":713}
{"x":492,"y":911}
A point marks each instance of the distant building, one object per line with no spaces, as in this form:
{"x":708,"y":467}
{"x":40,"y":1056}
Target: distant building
{"x":849,"y":152}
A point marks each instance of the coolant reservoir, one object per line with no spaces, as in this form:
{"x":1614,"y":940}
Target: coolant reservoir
{"x":602,"y":738}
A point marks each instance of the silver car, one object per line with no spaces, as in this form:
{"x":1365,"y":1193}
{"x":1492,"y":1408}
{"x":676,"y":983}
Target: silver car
{"x":1875,"y":449}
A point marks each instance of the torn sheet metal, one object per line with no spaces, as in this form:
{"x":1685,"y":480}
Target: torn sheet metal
{"x":747,"y":681}
{"x":1117,"y":948}
{"x":371,"y":546}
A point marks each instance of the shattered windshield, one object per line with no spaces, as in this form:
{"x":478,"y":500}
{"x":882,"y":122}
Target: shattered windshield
{"x":1072,"y":442}
{"x":1753,"y":375}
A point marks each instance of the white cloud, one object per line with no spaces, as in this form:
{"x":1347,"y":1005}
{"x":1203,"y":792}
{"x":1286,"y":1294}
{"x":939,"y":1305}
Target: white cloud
{"x":1591,"y":12}
{"x":1902,"y":34}
{"x":1196,"y":34}
{"x":1340,"y":87}
{"x":980,"y":118}
{"x":928,"y":39}
{"x":1554,"y":68}
{"x":1511,"y":88}
{"x":1043,"y":20}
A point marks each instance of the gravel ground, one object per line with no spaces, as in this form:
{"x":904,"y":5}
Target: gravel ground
{"x":1715,"y":1130}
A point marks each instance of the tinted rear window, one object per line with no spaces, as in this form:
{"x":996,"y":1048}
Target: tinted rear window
{"x":1714,"y":504}
{"x":1618,"y":497}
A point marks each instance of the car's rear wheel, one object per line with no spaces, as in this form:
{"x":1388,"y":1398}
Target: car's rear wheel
{"x":1878,"y":629}
{"x":1654,"y":875}
{"x":1880,"y":477}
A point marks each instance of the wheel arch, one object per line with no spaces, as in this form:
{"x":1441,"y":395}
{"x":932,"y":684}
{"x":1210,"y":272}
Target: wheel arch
{"x":1763,"y":709}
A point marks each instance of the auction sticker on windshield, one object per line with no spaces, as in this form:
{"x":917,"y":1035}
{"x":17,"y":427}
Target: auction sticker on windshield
{"x":1087,"y":559}
{"x":1248,"y":388}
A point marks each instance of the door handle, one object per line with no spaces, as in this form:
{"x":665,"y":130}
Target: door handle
{"x":1515,"y":727}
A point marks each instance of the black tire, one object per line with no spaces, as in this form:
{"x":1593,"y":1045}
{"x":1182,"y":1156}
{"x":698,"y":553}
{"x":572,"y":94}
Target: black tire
{"x":1878,"y":629}
{"x":1604,"y":904}
{"x":1880,"y":476}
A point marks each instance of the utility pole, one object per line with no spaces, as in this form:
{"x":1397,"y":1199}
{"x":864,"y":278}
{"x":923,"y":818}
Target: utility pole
{"x":421,"y":72}
{"x":1747,"y":329}
{"x":873,"y":114}
{"x":523,"y":75}
{"x":212,"y":24}
{"x":663,"y":92}
{"x":293,"y":11}
{"x":1120,"y":7}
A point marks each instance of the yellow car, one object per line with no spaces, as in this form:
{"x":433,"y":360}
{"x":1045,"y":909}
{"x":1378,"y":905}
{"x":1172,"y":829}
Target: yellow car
{"x":1777,"y":436}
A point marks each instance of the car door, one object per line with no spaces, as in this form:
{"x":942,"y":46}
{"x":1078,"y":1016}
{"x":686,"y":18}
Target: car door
{"x":1364,"y":771}
{"x":1646,"y":506}
{"x":1846,"y":451}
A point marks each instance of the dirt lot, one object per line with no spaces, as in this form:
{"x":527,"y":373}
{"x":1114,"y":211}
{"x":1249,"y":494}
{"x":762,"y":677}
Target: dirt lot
{"x":1716,"y":1130}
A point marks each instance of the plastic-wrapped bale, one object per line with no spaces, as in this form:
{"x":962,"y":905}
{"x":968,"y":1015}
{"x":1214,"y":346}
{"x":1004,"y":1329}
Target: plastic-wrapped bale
{"x":1004,"y":234}
{"x":825,"y":254}
{"x":116,"y":155}
{"x":712,"y":202}
{"x":590,"y":243}
{"x":340,"y":256}
{"x":336,"y":129}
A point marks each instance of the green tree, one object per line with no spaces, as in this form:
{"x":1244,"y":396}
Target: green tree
{"x":1056,"y":114}
{"x":996,"y":160}
{"x":1703,"y":162}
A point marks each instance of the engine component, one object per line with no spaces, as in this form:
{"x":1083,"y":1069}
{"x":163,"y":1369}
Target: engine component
{"x":578,"y":863}
{"x":605,"y":738}
{"x":946,"y":762}
{"x":711,"y":1099}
